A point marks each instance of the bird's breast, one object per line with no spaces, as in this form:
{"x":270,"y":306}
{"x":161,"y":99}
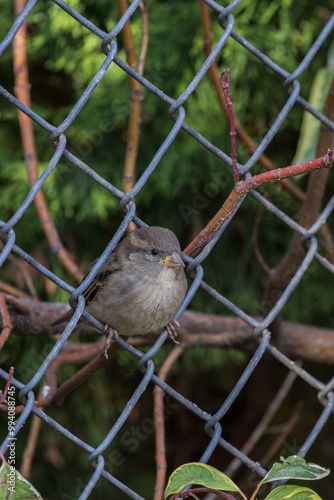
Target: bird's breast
{"x":139,"y":305}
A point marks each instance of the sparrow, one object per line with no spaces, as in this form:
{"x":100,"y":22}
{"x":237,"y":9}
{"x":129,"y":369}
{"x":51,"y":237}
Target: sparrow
{"x":141,"y":285}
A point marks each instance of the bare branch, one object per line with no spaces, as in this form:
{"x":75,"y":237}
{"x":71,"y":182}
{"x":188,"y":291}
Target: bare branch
{"x":297,"y":340}
{"x":242,"y":188}
{"x":22,"y":90}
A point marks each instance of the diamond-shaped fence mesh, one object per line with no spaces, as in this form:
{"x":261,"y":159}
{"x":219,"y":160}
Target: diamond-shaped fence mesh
{"x":256,"y":331}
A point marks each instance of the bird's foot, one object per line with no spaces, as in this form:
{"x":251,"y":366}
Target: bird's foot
{"x":111,"y":336}
{"x":171,"y":330}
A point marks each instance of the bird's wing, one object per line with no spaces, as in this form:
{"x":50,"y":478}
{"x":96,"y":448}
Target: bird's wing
{"x":110,"y":266}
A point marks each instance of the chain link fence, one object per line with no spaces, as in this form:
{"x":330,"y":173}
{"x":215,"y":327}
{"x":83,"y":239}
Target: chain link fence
{"x":212,"y":424}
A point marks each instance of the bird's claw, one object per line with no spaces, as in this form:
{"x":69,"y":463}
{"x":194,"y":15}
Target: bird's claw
{"x":111,"y":336}
{"x":171,"y":330}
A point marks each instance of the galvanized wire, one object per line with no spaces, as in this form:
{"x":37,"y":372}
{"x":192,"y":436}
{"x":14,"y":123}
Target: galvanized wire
{"x":211,"y":424}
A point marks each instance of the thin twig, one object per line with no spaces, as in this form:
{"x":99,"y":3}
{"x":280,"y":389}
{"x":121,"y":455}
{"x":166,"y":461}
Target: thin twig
{"x":159,"y":419}
{"x":22,"y":90}
{"x":225,"y":83}
{"x":262,"y":426}
{"x":25,"y":271}
{"x":136,"y":100}
{"x":326,"y":139}
{"x":243,"y":135}
{"x":202,"y":489}
{"x":310,"y":211}
{"x":71,"y":354}
{"x":255,"y":240}
{"x":30,"y":449}
{"x":279,"y":441}
{"x":145,"y":37}
{"x":3,"y":394}
{"x":12,"y":290}
{"x":7,"y":326}
{"x":242,"y":188}
{"x":80,"y":376}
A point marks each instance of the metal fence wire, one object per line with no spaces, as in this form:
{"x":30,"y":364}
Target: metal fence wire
{"x":212,"y":424}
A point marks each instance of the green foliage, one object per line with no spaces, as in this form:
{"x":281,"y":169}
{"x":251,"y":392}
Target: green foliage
{"x":202,"y":474}
{"x":13,"y":486}
{"x":293,"y":467}
{"x":309,"y":134}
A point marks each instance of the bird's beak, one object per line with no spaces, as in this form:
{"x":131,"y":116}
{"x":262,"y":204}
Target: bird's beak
{"x":173,"y":260}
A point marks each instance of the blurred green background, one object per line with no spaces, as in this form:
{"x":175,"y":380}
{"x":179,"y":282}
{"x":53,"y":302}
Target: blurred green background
{"x":63,"y":58}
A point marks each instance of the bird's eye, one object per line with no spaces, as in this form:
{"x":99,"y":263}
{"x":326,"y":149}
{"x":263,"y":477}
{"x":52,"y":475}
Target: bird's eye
{"x":154,"y":251}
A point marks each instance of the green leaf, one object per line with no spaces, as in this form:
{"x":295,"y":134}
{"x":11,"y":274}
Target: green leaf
{"x":13,"y":486}
{"x":200,"y":474}
{"x":292,"y":492}
{"x":308,"y":140}
{"x":295,"y":467}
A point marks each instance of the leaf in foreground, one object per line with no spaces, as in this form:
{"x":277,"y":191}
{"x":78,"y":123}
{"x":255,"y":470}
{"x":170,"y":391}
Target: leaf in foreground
{"x":295,"y":467}
{"x":13,"y":486}
{"x":200,"y":474}
{"x":291,"y":492}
